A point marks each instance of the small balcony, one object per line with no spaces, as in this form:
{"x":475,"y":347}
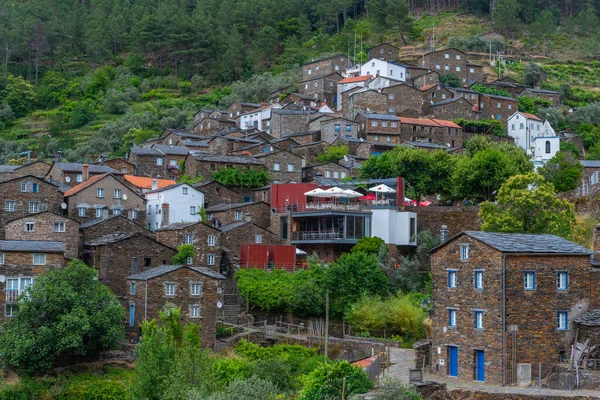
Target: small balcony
{"x":345,"y":229}
{"x":12,"y":296}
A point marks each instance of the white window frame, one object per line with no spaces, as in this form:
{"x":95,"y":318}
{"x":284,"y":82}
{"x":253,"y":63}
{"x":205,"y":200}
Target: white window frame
{"x":34,"y":207}
{"x":79,"y":178}
{"x":81,"y":211}
{"x":452,"y":279}
{"x":529,"y":280}
{"x":196,"y":289}
{"x":192,"y":210}
{"x":60,"y":227}
{"x":170,"y":289}
{"x":464,"y":252}
{"x":99,"y":212}
{"x":117,"y":194}
{"x":189,"y":260}
{"x":258,"y":238}
{"x":238,"y":215}
{"x":160,"y":161}
{"x":452,"y":317}
{"x":188,"y":238}
{"x":195,"y":311}
{"x":212,"y":239}
{"x":290,"y":167}
{"x":134,"y":214}
{"x":211,"y":259}
{"x":100,"y":193}
{"x":29,"y":226}
{"x":562,"y":320}
{"x":23,"y":186}
{"x":39,"y":262}
{"x":276,"y":167}
{"x":478,"y":279}
{"x":478,"y":317}
{"x":562,"y":280}
{"x":10,"y":205}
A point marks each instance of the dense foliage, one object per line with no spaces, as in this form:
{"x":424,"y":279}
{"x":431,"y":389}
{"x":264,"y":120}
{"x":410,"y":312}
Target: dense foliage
{"x":247,"y":177}
{"x":67,"y":313}
{"x":328,"y":380}
{"x":528,"y":204}
{"x":563,"y":170}
{"x":333,"y":154}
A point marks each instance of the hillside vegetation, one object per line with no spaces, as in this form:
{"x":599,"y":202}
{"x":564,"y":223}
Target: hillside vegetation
{"x":93,"y":77}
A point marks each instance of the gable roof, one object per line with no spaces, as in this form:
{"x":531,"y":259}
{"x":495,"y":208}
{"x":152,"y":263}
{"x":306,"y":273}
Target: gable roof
{"x":173,"y":186}
{"x":146,"y":183}
{"x":97,"y":221}
{"x":526,"y":243}
{"x":109,"y":238}
{"x":386,"y":117}
{"x":356,"y":79}
{"x":32,"y":245}
{"x":78,"y":188}
{"x":78,"y":167}
{"x":4,"y":169}
{"x":233,"y":159}
{"x":228,"y":206}
{"x":530,"y":116}
{"x":165,"y":269}
{"x":170,"y":149}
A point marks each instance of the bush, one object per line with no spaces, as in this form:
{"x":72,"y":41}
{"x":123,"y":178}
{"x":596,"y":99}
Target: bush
{"x":82,"y":114}
{"x":68,"y":312}
{"x":392,"y":389}
{"x":326,"y":382}
{"x":95,"y":389}
{"x":333,"y":154}
{"x":253,"y":388}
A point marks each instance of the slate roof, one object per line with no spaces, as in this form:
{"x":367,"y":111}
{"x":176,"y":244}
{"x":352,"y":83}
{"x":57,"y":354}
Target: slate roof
{"x":541,"y":91}
{"x":528,"y":243}
{"x":171,"y":150}
{"x":176,"y":226}
{"x":590,"y":163}
{"x":448,"y":101}
{"x":31,"y":246}
{"x":232,"y":159}
{"x":233,"y":225}
{"x":7,"y":168}
{"x":589,"y":318}
{"x":77,"y":167}
{"x":227,"y":206}
{"x":195,"y":143}
{"x":425,"y":144}
{"x":142,"y":151}
{"x":387,"y":117}
{"x":109,"y":238}
{"x":165,"y":269}
{"x":95,"y":221}
{"x":291,"y":112}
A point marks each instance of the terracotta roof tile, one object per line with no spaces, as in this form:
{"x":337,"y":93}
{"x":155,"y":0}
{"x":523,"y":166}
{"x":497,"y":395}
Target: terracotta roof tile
{"x":146,"y":183}
{"x":356,"y":79}
{"x":530,"y":116}
{"x":83,"y":185}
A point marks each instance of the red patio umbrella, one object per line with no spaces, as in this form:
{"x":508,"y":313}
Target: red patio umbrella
{"x":367,"y":197}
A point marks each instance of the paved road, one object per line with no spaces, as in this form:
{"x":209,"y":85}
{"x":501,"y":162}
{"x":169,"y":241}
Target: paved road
{"x":403,"y":360}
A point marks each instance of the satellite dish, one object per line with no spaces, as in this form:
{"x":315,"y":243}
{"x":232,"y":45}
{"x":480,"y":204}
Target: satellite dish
{"x":67,"y":179}
{"x":346,"y":158}
{"x":124,"y":197}
{"x":2,"y":278}
{"x":63,"y":205}
{"x":219,"y":304}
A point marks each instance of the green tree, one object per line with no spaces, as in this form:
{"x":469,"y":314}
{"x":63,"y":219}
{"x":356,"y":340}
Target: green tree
{"x":528,"y":204}
{"x":563,"y":170}
{"x":533,"y":74}
{"x":67,"y":313}
{"x":327,"y":381}
{"x":333,"y":154}
{"x":369,"y":245}
{"x":18,"y":94}
{"x":183,"y":253}
{"x":450,"y":80}
{"x":506,"y":17}
{"x":569,"y":146}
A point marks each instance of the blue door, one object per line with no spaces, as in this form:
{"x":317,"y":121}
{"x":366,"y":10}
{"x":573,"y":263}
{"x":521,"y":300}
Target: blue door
{"x":131,"y":315}
{"x":453,"y":361}
{"x":480,"y":365}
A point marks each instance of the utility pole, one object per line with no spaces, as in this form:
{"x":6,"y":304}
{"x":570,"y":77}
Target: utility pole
{"x":433,"y":37}
{"x":326,"y":322}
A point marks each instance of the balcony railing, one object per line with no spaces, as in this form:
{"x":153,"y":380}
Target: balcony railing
{"x":11,"y":296}
{"x":316,"y":235}
{"x":318,"y":207}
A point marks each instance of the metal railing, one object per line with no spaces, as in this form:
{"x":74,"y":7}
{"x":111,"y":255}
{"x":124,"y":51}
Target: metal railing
{"x":319,"y":235}
{"x":270,"y":266}
{"x":12,"y":296}
{"x":317,"y":207}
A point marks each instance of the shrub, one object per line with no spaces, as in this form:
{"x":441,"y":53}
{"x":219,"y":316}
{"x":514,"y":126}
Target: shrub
{"x":68,"y":312}
{"x":253,"y":388}
{"x":82,"y":114}
{"x":95,"y":389}
{"x":392,"y":389}
{"x":327,"y":380}
{"x":333,"y":154}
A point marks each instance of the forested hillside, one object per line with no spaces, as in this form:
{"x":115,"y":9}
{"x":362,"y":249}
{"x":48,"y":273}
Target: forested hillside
{"x":88,"y":77}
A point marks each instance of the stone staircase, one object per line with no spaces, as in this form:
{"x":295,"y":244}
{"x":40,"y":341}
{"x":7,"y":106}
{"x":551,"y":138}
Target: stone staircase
{"x":231,"y":302}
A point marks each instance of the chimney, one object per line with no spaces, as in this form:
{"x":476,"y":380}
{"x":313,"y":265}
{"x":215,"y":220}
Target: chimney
{"x":154,"y":184}
{"x":85,"y":172}
{"x":164,"y":214}
{"x":444,"y":234}
{"x":58,"y":156}
{"x":102,"y":159}
{"x":248,"y":217}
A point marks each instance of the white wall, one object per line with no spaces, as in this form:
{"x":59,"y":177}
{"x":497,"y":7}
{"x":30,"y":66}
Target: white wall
{"x":179,"y":205}
{"x":376,"y":67}
{"x":392,"y":226}
{"x":523,"y":130}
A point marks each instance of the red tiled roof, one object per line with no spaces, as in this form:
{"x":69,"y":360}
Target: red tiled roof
{"x":427,"y":87}
{"x":429,"y":122}
{"x":83,"y":185}
{"x":146,"y":183}
{"x":447,"y":124}
{"x":356,"y":79}
{"x":365,"y":362}
{"x":530,"y":116}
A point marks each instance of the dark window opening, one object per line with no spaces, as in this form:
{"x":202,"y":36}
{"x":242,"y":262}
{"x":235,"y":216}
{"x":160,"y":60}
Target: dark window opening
{"x":284,"y":228}
{"x":147,"y":262}
{"x":134,"y":265}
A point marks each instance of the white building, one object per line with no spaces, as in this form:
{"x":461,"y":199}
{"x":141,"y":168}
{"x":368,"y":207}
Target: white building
{"x":350,"y":83}
{"x":535,"y":136}
{"x":385,"y":69}
{"x":259,"y":118}
{"x":393,"y":226}
{"x":545,"y":146}
{"x":175,"y":203}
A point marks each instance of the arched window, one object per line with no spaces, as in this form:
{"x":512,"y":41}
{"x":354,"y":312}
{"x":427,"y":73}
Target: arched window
{"x":547,"y":147}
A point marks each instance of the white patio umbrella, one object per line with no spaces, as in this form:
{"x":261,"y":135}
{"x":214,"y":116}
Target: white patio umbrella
{"x":334,"y":192}
{"x":315,"y":192}
{"x":381,"y":189}
{"x":352,"y":194}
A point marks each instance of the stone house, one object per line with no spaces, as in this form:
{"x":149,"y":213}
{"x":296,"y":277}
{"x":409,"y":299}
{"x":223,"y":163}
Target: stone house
{"x":237,"y":108}
{"x":449,"y":109}
{"x":404,"y":100}
{"x":470,"y":95}
{"x":174,"y":136}
{"x":497,"y":107}
{"x":226,"y":213}
{"x":118,"y":254}
{"x":25,"y":196}
{"x":283,"y":165}
{"x":204,"y":238}
{"x":502,"y":299}
{"x":384,"y":51}
{"x":72,"y":174}
{"x":217,"y":193}
{"x":37,"y":168}
{"x":419,"y":77}
{"x":196,"y":290}
{"x":228,"y":144}
{"x":372,"y":125}
{"x":278,"y":94}
{"x":337,"y":63}
{"x":176,"y":203}
{"x":243,"y":232}
{"x":194,"y":144}
{"x":366,"y":101}
{"x":334,"y":127}
{"x":304,"y":138}
{"x":46,"y":226}
{"x":434,"y":93}
{"x":21,"y":262}
{"x":329,"y":170}
{"x":551,"y":95}
{"x":452,"y":61}
{"x":302,"y":100}
{"x":206,"y":165}
{"x":349,"y":83}
{"x":288,"y":122}
{"x":211,"y":125}
{"x":103,"y":194}
{"x":259,"y":119}
{"x":121,"y":165}
{"x":159,"y":161}
{"x":97,"y":227}
{"x":311,"y":151}
{"x":285,"y":143}
{"x":321,"y":89}
{"x":430,"y":130}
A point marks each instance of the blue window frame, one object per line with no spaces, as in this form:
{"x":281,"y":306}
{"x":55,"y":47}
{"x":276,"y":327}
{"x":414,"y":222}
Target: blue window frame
{"x":34,"y":187}
{"x":478,"y":279}
{"x":132,"y":288}
{"x":451,"y":279}
{"x":529,"y":280}
{"x":336,"y":127}
{"x":498,"y":117}
{"x":452,"y":318}
{"x":478,"y":320}
{"x":348,"y":128}
{"x":562,"y":320}
{"x":562,"y":280}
